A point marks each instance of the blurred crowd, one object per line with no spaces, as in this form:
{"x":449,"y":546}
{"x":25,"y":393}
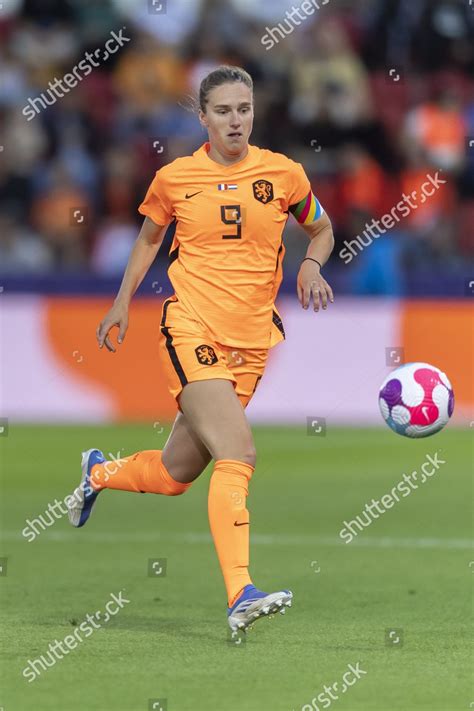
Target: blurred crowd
{"x":371,"y":96}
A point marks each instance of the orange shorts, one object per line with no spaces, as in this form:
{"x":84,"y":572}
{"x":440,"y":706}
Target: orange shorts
{"x":188,"y":353}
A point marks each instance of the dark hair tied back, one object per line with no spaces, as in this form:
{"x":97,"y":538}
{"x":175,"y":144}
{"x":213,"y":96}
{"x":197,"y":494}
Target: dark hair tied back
{"x":222,"y":75}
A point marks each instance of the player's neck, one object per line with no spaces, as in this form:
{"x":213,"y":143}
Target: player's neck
{"x":226,"y":159}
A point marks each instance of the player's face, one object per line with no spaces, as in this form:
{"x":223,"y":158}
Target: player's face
{"x":229,"y":117}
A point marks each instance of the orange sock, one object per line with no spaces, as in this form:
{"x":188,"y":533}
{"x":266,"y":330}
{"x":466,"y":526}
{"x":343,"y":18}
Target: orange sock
{"x":230,"y":522}
{"x":143,"y":472}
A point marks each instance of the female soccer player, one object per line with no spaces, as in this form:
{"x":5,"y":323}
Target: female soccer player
{"x":230,"y":201}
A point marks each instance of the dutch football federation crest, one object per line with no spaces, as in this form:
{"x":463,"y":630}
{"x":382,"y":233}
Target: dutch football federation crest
{"x":206,"y":355}
{"x":263,"y":191}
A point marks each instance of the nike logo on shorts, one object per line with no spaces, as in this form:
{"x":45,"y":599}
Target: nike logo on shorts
{"x":193,"y":194}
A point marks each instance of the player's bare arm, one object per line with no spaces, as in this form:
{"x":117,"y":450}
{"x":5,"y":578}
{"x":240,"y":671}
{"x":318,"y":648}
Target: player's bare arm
{"x":141,"y":258}
{"x":310,"y":281}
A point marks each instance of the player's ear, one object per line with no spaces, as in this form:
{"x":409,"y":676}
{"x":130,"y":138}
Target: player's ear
{"x":203,"y":119}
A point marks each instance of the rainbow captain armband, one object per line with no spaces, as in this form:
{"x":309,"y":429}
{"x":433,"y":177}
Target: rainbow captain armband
{"x":307,"y":210}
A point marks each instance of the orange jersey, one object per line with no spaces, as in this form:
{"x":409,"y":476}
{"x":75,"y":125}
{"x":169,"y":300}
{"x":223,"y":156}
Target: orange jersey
{"x":227,"y":253}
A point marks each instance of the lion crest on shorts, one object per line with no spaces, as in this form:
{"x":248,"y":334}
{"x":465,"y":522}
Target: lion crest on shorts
{"x":206,"y":355}
{"x":263,"y":191}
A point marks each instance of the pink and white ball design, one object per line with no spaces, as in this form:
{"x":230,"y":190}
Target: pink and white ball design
{"x":416,"y":400}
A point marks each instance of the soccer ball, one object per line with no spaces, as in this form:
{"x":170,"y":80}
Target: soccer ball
{"x":416,"y":400}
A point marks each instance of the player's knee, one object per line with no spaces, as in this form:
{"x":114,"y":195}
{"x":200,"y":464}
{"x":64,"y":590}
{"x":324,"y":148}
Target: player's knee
{"x":246,"y":454}
{"x":249,"y":456}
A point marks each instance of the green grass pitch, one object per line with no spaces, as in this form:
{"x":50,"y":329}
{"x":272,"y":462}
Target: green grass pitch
{"x":396,"y":600}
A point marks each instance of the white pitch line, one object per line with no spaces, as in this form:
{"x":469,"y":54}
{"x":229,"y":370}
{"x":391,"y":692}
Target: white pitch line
{"x":360,"y":541}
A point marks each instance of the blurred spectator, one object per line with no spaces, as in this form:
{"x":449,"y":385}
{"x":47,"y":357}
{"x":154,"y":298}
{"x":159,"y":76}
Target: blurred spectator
{"x":112,"y":246}
{"x":149,"y":76}
{"x":427,"y":35}
{"x":362,"y":182}
{"x":438,"y":129}
{"x":329,"y":80}
{"x":169,"y":21}
{"x":21,"y":251}
{"x":433,"y":207}
{"x":13,"y":87}
{"x":62,"y":213}
{"x":119,"y":176}
{"x":444,"y":36}
{"x":377,"y":270}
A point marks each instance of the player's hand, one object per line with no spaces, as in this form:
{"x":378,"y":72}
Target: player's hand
{"x":310,"y":282}
{"x":117,"y":317}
